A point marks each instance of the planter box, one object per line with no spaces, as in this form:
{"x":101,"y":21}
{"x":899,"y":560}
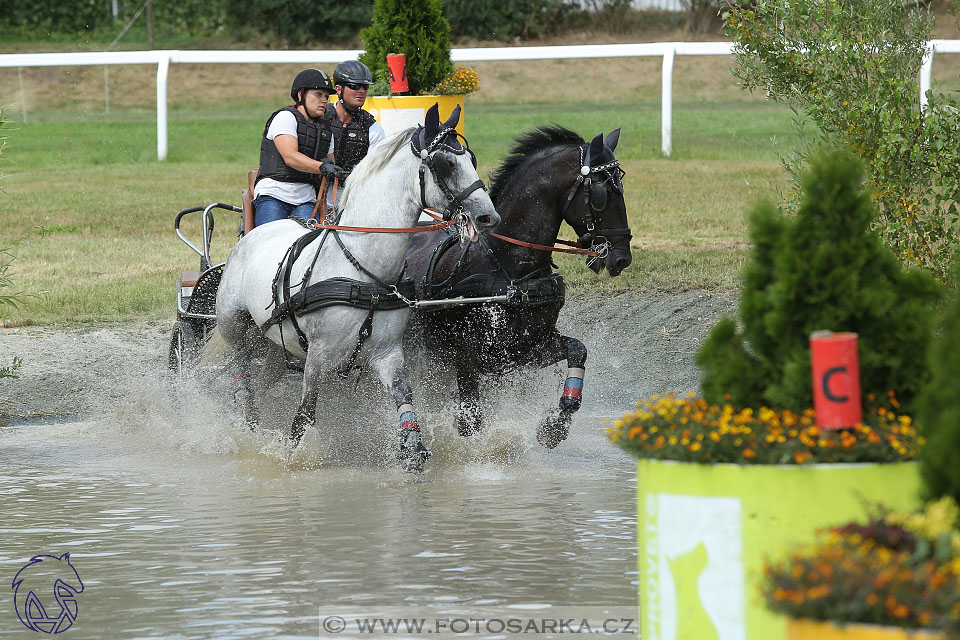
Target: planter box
{"x":815,"y":630}
{"x":704,"y":532}
{"x":401,"y":112}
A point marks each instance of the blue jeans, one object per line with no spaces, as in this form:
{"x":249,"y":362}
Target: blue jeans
{"x":267,"y":209}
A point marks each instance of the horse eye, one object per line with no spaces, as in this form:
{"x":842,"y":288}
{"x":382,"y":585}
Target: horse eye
{"x":598,"y":196}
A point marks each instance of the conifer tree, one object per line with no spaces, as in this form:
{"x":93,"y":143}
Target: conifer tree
{"x":938,"y":408}
{"x":821,"y":270}
{"x":415,"y":28}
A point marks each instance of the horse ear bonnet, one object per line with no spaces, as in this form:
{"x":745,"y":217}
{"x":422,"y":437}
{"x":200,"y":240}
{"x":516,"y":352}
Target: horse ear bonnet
{"x":610,"y":142}
{"x":431,"y":128}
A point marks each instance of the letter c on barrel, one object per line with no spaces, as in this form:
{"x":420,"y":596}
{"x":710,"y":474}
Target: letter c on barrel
{"x":826,"y":385}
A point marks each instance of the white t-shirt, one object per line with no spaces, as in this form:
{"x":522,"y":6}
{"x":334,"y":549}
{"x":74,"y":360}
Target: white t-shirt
{"x":285,"y":123}
{"x":377,"y":135}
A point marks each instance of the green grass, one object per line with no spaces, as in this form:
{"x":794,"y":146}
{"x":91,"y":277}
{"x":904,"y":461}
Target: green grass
{"x":108,"y":251}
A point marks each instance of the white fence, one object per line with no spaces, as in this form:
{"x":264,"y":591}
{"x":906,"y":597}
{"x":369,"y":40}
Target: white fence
{"x":665,"y":50}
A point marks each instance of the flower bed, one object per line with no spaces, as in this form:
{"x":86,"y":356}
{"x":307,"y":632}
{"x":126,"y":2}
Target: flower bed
{"x":671,"y":427}
{"x":898,"y":570}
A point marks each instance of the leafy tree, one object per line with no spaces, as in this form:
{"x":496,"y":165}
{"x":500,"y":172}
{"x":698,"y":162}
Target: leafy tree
{"x":508,"y":19}
{"x":415,"y":28}
{"x":302,"y":21}
{"x":938,"y":408}
{"x":823,"y":269}
{"x":852,"y":67}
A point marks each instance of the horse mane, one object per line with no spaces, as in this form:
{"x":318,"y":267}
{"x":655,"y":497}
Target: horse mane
{"x":525,"y":147}
{"x":377,"y":157}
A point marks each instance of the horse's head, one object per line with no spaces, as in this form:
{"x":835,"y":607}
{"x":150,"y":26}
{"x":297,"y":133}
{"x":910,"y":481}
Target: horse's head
{"x":38,"y":584}
{"x":448,"y":175}
{"x":594,"y":205}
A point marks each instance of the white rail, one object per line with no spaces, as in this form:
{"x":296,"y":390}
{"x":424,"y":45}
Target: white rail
{"x":666,"y":50}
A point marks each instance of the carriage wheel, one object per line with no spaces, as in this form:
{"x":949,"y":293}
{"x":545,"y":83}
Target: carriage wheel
{"x":184,"y":349}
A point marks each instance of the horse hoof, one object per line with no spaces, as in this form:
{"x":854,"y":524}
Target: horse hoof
{"x":469,"y":420}
{"x":411,"y":454}
{"x":553,"y":429}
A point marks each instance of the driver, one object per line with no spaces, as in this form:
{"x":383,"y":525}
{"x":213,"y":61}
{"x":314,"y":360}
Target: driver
{"x":353,"y":129}
{"x":296,"y":152}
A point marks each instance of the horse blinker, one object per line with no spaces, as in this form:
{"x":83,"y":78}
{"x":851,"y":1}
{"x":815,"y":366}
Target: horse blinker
{"x":441,"y":164}
{"x":598,"y":196}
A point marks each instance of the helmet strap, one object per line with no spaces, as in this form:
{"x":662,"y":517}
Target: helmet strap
{"x":352,"y":112}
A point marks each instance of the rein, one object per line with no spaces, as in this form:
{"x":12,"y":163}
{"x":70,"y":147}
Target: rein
{"x":542,"y":247}
{"x":529,"y":245}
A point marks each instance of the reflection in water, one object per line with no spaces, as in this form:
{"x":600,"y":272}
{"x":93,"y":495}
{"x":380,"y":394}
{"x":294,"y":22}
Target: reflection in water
{"x":184,"y":527}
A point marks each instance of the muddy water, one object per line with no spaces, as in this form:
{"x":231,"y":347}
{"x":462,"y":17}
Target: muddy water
{"x":181,"y":525}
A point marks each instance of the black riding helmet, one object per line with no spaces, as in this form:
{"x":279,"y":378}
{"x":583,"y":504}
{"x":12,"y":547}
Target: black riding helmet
{"x":352,"y":72}
{"x":309,"y":79}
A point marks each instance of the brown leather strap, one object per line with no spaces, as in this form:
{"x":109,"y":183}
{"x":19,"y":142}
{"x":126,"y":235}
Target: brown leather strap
{"x":530,"y":245}
{"x":432,"y":227}
{"x":541,"y":247}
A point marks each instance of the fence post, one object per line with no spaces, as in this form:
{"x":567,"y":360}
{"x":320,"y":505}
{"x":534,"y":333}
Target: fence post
{"x":666,"y":107}
{"x":163,"y":68}
{"x":23,"y":96}
{"x":926,"y":71}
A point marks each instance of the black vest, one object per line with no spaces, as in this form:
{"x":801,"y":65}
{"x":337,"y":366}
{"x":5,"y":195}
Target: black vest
{"x":313,"y":140}
{"x":350,"y":141}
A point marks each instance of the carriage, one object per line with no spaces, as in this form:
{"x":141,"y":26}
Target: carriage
{"x":243,"y":309}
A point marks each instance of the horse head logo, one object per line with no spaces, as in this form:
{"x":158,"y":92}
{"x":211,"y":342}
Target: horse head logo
{"x":51,"y":578}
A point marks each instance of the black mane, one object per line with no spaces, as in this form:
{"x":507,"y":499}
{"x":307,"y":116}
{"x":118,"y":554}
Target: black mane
{"x":526,"y":146}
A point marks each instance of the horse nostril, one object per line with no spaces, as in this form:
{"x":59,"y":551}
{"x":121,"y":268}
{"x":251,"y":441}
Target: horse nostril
{"x":623,"y":263}
{"x":488,"y":220}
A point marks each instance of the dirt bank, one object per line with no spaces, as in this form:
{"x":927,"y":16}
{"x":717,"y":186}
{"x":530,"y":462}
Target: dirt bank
{"x":639,"y":344}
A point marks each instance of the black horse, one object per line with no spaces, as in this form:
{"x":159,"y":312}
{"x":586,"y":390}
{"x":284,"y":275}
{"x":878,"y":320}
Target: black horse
{"x":552,"y":175}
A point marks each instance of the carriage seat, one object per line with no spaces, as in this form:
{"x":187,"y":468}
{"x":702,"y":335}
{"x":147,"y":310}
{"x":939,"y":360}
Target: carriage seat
{"x":189,"y":278}
{"x":246,"y":197}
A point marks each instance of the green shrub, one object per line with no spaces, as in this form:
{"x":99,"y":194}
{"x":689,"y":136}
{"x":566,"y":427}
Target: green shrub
{"x":938,"y":408}
{"x":821,"y":270}
{"x":55,"y":15}
{"x":415,"y":28}
{"x":301,"y":21}
{"x":504,"y":19}
{"x":852,"y":67}
{"x":47,"y":17}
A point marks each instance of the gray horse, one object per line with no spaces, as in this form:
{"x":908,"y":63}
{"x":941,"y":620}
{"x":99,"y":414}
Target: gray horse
{"x":334,"y":297}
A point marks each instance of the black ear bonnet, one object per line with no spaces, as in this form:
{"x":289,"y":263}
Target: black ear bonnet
{"x":432,"y":137}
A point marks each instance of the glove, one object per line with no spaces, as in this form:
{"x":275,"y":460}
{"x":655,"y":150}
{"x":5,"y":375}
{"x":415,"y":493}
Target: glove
{"x":330,"y":171}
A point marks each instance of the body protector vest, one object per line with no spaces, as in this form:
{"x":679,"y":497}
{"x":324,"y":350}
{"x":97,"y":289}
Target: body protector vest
{"x":313,"y":141}
{"x":350,"y":141}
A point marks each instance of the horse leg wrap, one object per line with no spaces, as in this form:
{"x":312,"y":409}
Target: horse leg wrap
{"x":408,"y":417}
{"x":572,"y":390}
{"x":411,"y":454}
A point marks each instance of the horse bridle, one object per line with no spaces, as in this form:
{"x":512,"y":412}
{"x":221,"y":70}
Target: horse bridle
{"x":441,"y":168}
{"x":595,"y":200}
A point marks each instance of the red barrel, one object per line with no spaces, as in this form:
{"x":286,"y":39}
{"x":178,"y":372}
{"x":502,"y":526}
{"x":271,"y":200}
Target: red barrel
{"x":836,"y":379}
{"x":397,"y":63}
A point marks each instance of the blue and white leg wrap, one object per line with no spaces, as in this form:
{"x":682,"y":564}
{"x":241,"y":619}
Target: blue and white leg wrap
{"x":408,"y":417}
